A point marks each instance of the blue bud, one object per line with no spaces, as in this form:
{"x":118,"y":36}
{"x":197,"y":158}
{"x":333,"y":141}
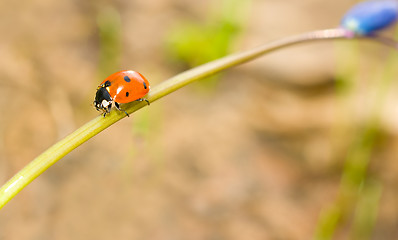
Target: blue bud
{"x":370,"y":16}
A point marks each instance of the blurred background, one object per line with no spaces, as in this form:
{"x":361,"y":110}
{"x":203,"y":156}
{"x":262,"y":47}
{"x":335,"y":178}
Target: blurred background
{"x":298,"y":144}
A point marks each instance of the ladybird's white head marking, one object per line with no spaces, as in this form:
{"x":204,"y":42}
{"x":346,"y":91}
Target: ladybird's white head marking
{"x":105,"y":103}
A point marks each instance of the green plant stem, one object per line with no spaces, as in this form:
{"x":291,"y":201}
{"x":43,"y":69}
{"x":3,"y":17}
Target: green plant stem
{"x":95,"y":126}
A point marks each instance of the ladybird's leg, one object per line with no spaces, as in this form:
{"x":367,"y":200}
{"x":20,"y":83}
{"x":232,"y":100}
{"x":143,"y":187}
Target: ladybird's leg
{"x":107,"y":109}
{"x":118,"y":108}
{"x":143,"y":99}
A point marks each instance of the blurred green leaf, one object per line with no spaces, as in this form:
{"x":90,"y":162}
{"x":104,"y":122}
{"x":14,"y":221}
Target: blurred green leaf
{"x":192,"y":43}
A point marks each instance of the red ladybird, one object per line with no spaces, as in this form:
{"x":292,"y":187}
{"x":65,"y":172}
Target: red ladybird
{"x":121,"y":87}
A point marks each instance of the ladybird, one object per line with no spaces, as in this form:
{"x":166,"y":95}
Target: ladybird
{"x":121,"y":87}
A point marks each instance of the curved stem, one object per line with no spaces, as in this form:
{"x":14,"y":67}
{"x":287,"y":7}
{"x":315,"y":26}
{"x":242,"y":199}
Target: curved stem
{"x":95,"y":126}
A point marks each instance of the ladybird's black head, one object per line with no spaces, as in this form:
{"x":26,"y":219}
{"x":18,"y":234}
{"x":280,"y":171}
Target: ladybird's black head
{"x":103,"y":101}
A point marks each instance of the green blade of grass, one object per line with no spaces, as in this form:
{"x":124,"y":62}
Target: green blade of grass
{"x":98,"y":124}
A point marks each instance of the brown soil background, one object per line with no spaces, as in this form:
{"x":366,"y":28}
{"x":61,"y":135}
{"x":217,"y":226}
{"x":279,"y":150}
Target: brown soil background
{"x":257,"y":158}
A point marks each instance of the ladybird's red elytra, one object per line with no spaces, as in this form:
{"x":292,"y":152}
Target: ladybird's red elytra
{"x":121,"y":87}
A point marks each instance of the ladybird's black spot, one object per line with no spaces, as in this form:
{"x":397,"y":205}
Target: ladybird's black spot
{"x":107,"y":84}
{"x":127,"y":94}
{"x":127,"y":79}
{"x":144,"y":85}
